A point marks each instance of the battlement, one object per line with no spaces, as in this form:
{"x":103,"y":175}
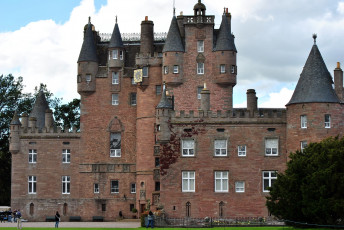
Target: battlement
{"x":52,"y":132}
{"x":144,"y":59}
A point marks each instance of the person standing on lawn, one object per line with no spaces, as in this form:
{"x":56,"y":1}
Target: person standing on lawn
{"x":57,"y":219}
{"x":150,"y":220}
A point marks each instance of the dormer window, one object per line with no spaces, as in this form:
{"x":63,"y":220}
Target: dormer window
{"x":114,"y":54}
{"x":200,"y":46}
{"x":121,"y":54}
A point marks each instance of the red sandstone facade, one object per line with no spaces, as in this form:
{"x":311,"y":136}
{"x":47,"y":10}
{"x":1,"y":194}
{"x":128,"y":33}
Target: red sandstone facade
{"x":178,"y":146}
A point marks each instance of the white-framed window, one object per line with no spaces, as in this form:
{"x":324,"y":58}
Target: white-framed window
{"x":188,"y":148}
{"x":96,"y":188}
{"x":114,"y":54}
{"x":239,"y":186}
{"x":222,"y":68}
{"x":115,"y":100}
{"x":115,"y":78}
{"x":221,"y":181}
{"x":271,"y":147}
{"x":327,"y":121}
{"x":303,"y":145}
{"x":269,"y":177}
{"x":303,"y":121}
{"x":145,"y":71}
{"x":32,"y":155}
{"x":65,"y":184}
{"x":176,"y":69}
{"x":200,"y":68}
{"x":88,"y":77}
{"x":165,"y":69}
{"x":121,"y":54}
{"x":65,"y":155}
{"x":220,"y":148}
{"x":115,"y":144}
{"x":199,"y":90}
{"x":188,"y":181}
{"x":133,"y":99}
{"x":114,"y":186}
{"x":200,"y":46}
{"x":133,"y":188}
{"x":133,"y":81}
{"x":233,"y":69}
{"x":242,"y":150}
{"x":32,"y":184}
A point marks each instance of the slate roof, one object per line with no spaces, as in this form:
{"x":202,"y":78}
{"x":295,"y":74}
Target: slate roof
{"x":15,"y":119}
{"x":173,"y":39}
{"x":116,"y":38}
{"x":39,"y":108}
{"x":164,"y":102}
{"x":225,"y":39}
{"x":88,"y":50}
{"x":315,"y":83}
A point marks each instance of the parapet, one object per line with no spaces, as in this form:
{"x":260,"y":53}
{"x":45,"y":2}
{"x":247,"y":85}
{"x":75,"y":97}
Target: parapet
{"x":145,"y":59}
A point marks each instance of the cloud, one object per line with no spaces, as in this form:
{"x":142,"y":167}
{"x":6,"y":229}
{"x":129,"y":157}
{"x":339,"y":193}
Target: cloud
{"x":277,"y":100}
{"x":340,"y":8}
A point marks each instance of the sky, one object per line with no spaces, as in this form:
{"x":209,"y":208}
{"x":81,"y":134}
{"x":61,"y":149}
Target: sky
{"x":40,"y":40}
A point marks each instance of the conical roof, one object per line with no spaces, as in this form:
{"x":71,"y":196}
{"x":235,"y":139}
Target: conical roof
{"x":39,"y":108}
{"x":225,"y":39}
{"x":164,"y":102}
{"x":173,"y":40}
{"x":116,"y":38}
{"x":88,"y":50}
{"x":315,"y":83}
{"x":15,"y":119}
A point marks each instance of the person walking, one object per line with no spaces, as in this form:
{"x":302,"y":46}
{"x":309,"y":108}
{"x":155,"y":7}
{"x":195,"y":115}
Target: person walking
{"x":57,"y":219}
{"x":19,"y":222}
{"x":150,"y":220}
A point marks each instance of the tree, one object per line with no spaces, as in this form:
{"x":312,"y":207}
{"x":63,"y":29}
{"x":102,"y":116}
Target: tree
{"x":311,"y":190}
{"x":68,"y":115}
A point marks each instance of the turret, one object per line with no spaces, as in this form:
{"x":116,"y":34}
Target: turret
{"x":147,"y":37}
{"x":338,"y":81}
{"x":88,"y":62}
{"x":205,"y":99}
{"x":116,"y":49}
{"x":14,"y":135}
{"x":162,"y":114}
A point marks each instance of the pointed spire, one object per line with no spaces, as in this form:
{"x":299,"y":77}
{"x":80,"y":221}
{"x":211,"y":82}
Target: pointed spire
{"x":88,"y":50}
{"x":39,"y":108}
{"x":315,"y":83}
{"x":173,"y":40}
{"x":116,"y":38}
{"x":164,"y":102}
{"x":15,"y":119}
{"x":225,"y":39}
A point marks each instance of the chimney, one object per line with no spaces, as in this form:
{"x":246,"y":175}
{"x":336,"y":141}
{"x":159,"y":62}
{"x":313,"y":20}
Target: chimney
{"x":205,"y":99}
{"x":24,"y":120}
{"x":32,"y":122}
{"x":147,"y":36}
{"x":338,"y":81}
{"x":48,"y":118}
{"x":251,"y":100}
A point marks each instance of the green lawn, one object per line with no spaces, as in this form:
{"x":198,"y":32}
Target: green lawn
{"x":217,"y":228}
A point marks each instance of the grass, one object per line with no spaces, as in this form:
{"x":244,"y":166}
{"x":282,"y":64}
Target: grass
{"x":216,"y":228}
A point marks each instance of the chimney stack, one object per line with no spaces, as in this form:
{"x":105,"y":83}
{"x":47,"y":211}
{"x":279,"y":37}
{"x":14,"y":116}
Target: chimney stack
{"x":252,"y":100}
{"x":205,"y":99}
{"x":338,"y":81}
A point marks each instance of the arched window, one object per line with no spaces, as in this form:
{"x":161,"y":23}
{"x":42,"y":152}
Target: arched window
{"x":188,"y":209}
{"x":65,"y":209}
{"x":221,"y":206}
{"x":32,"y":209}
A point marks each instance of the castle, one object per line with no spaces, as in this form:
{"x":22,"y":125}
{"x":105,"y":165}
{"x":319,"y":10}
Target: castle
{"x":159,"y":131}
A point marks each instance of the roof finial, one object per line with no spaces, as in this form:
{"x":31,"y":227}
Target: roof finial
{"x":224,"y":10}
{"x":89,"y":19}
{"x":315,"y":38}
{"x":116,"y":19}
{"x":174,"y":8}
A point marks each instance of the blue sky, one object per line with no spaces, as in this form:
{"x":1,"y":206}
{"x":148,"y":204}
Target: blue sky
{"x":40,"y":40}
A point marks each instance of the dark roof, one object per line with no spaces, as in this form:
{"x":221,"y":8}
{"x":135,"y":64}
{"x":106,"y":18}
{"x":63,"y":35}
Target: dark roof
{"x":88,"y":50}
{"x":173,"y":39}
{"x":315,"y":83}
{"x":225,"y":39}
{"x":15,"y":119}
{"x":39,"y":108}
{"x":116,"y":38}
{"x":164,"y":102}
{"x":199,"y":5}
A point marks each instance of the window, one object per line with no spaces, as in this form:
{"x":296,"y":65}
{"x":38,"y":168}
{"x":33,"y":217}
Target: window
{"x":188,"y":181}
{"x":188,"y":148}
{"x":115,"y":145}
{"x":199,"y":90}
{"x":200,"y":46}
{"x":158,"y":89}
{"x":175,"y":69}
{"x":115,"y":100}
{"x":115,"y":78}
{"x":303,"y":145}
{"x":32,"y":184}
{"x":239,"y":186}
{"x":271,"y":147}
{"x":200,"y":68}
{"x":303,"y":121}
{"x":220,"y":147}
{"x":103,"y":207}
{"x":188,"y":209}
{"x":221,"y":181}
{"x":222,"y":68}
{"x":241,"y":150}
{"x":66,"y":185}
{"x":121,"y":54}
{"x":145,"y":71}
{"x":327,"y":121}
{"x":114,"y":54}
{"x":88,"y":77}
{"x":32,"y":209}
{"x":157,"y":162}
{"x":233,"y":69}
{"x":65,"y":155}
{"x":269,"y":177}
{"x":32,"y":156}
{"x":131,"y":207}
{"x":114,"y":186}
{"x":165,"y":69}
{"x":221,"y":206}
{"x":157,"y":186}
{"x":133,"y":188}
{"x":133,"y":81}
{"x":96,"y":188}
{"x":65,"y":209}
{"x":132,"y":98}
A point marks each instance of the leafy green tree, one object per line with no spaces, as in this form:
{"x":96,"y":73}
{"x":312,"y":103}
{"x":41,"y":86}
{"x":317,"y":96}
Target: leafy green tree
{"x":68,"y":115}
{"x":311,"y":190}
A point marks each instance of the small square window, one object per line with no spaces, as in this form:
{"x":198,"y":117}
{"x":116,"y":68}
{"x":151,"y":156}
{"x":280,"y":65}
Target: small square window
{"x":222,"y":68}
{"x":271,"y":147}
{"x":239,"y":186}
{"x":115,"y":100}
{"x":241,"y":150}
{"x":175,"y":69}
{"x":327,"y":121}
{"x":188,"y":148}
{"x":220,"y":147}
